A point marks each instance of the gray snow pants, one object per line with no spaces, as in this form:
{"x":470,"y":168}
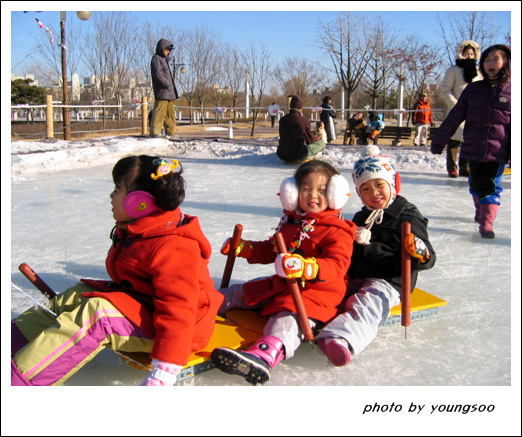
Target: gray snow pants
{"x":365,"y":311}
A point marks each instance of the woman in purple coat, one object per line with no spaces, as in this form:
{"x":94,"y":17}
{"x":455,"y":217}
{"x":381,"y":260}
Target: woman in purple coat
{"x":485,"y":105}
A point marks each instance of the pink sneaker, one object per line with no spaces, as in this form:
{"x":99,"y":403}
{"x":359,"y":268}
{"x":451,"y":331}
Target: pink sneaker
{"x":336,"y":349}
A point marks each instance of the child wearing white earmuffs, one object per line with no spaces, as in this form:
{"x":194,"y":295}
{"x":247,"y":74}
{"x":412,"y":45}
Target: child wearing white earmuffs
{"x":375,"y":282}
{"x":161,"y":299}
{"x":319,"y":243}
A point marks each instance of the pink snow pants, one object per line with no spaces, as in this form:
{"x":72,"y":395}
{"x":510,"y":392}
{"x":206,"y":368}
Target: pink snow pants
{"x":58,"y":347}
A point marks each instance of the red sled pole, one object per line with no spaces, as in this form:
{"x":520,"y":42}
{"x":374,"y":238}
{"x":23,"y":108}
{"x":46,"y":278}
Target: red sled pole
{"x":406,"y":281}
{"x":37,"y":281}
{"x":236,"y":239}
{"x":296,"y":295}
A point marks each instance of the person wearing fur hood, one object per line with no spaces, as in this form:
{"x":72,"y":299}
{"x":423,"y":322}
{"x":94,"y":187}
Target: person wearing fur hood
{"x":455,"y":80}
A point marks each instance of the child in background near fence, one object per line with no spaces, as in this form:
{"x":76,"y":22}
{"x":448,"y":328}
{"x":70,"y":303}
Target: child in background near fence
{"x":374,"y":276}
{"x":374,"y":129}
{"x":319,"y":243}
{"x":161,"y":298}
{"x":485,"y":105}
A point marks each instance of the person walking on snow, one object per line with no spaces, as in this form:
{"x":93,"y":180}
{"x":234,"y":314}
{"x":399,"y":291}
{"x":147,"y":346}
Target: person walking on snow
{"x":485,"y":105}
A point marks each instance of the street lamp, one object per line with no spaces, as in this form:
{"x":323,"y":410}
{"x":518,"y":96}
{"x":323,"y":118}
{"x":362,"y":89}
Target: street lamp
{"x":82,"y":15}
{"x":182,"y":69}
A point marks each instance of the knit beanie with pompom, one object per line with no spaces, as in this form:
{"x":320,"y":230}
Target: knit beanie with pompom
{"x":373,"y":165}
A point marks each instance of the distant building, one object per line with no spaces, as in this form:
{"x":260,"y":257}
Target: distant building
{"x":27,"y":76}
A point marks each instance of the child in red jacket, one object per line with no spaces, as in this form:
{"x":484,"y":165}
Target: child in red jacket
{"x":320,"y":245}
{"x":161,"y":298}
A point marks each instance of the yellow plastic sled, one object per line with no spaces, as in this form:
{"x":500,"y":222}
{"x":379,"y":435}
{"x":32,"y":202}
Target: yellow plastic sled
{"x":244,"y":327}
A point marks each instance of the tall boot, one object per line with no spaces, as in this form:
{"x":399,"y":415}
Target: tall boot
{"x":477,"y":209}
{"x":488,"y":214}
{"x":255,"y":364}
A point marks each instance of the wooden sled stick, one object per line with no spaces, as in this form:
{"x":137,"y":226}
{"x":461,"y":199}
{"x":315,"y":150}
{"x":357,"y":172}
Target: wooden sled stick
{"x":406,"y":281}
{"x":236,"y":239}
{"x":37,"y":281}
{"x":296,"y":295}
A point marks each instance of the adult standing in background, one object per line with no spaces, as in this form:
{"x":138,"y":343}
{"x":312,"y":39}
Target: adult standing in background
{"x":455,"y":80}
{"x":423,"y":118}
{"x":328,"y":118}
{"x":164,"y":91}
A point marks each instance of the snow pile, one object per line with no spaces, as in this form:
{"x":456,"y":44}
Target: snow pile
{"x":29,"y":157}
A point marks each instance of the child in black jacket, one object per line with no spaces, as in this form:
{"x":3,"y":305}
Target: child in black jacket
{"x":374,"y":283}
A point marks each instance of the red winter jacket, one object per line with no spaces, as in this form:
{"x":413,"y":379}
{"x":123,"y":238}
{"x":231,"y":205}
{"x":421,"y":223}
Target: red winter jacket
{"x":160,"y":265}
{"x":330,"y":242}
{"x":423,"y":117}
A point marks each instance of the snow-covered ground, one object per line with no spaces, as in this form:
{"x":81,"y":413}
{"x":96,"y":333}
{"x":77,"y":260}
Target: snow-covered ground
{"x":469,"y":353}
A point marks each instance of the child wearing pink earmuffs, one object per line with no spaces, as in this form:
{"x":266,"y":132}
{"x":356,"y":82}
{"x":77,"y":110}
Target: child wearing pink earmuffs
{"x":319,"y":242}
{"x":161,"y":298}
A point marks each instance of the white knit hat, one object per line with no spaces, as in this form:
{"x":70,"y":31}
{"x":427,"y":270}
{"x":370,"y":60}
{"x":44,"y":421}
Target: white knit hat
{"x":375,"y":166}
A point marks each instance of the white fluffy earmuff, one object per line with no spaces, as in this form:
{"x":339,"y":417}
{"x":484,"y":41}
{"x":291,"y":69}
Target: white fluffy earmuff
{"x":289,"y":194}
{"x":337,"y":193}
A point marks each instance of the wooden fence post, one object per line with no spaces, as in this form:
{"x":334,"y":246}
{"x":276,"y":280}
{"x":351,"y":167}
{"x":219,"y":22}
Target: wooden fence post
{"x":49,"y":116}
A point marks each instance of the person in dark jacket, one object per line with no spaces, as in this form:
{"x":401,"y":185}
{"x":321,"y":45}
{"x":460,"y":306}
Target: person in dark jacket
{"x":328,"y":118}
{"x":485,"y":105}
{"x":164,"y":91}
{"x":374,"y":275}
{"x":297,"y":142}
{"x":354,"y":129}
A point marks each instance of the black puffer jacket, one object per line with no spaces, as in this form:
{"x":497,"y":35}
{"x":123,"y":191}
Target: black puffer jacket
{"x":382,"y":257}
{"x":162,"y":80}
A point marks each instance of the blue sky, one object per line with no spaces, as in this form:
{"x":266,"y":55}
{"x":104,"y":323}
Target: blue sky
{"x":285,"y":32}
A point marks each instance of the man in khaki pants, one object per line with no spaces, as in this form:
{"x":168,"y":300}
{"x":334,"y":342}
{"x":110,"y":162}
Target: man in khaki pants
{"x":164,"y":91}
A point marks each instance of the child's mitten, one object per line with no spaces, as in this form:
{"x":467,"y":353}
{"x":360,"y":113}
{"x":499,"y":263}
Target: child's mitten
{"x":244,"y":248}
{"x":295,"y":266}
{"x":162,"y":374}
{"x":416,"y":248}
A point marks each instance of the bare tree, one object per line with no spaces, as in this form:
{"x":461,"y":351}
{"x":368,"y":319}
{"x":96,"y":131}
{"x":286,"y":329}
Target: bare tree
{"x":203,"y":66}
{"x":383,"y":41}
{"x":111,"y":53}
{"x":233,"y":75}
{"x":457,"y":26}
{"x":349,"y":50}
{"x":50,"y":52}
{"x":298,"y":76}
{"x":259,"y":64}
{"x":421,"y":67}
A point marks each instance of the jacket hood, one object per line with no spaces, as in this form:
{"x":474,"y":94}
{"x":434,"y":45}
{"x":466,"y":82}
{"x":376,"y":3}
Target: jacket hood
{"x":471,"y":43}
{"x":162,"y":45}
{"x":165,"y":223}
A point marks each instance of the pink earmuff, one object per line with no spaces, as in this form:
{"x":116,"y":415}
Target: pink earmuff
{"x":138,"y":204}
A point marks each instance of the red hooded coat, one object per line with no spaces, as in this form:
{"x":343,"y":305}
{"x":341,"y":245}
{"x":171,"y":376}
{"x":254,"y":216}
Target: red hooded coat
{"x":330,"y":241}
{"x":159,"y":264}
